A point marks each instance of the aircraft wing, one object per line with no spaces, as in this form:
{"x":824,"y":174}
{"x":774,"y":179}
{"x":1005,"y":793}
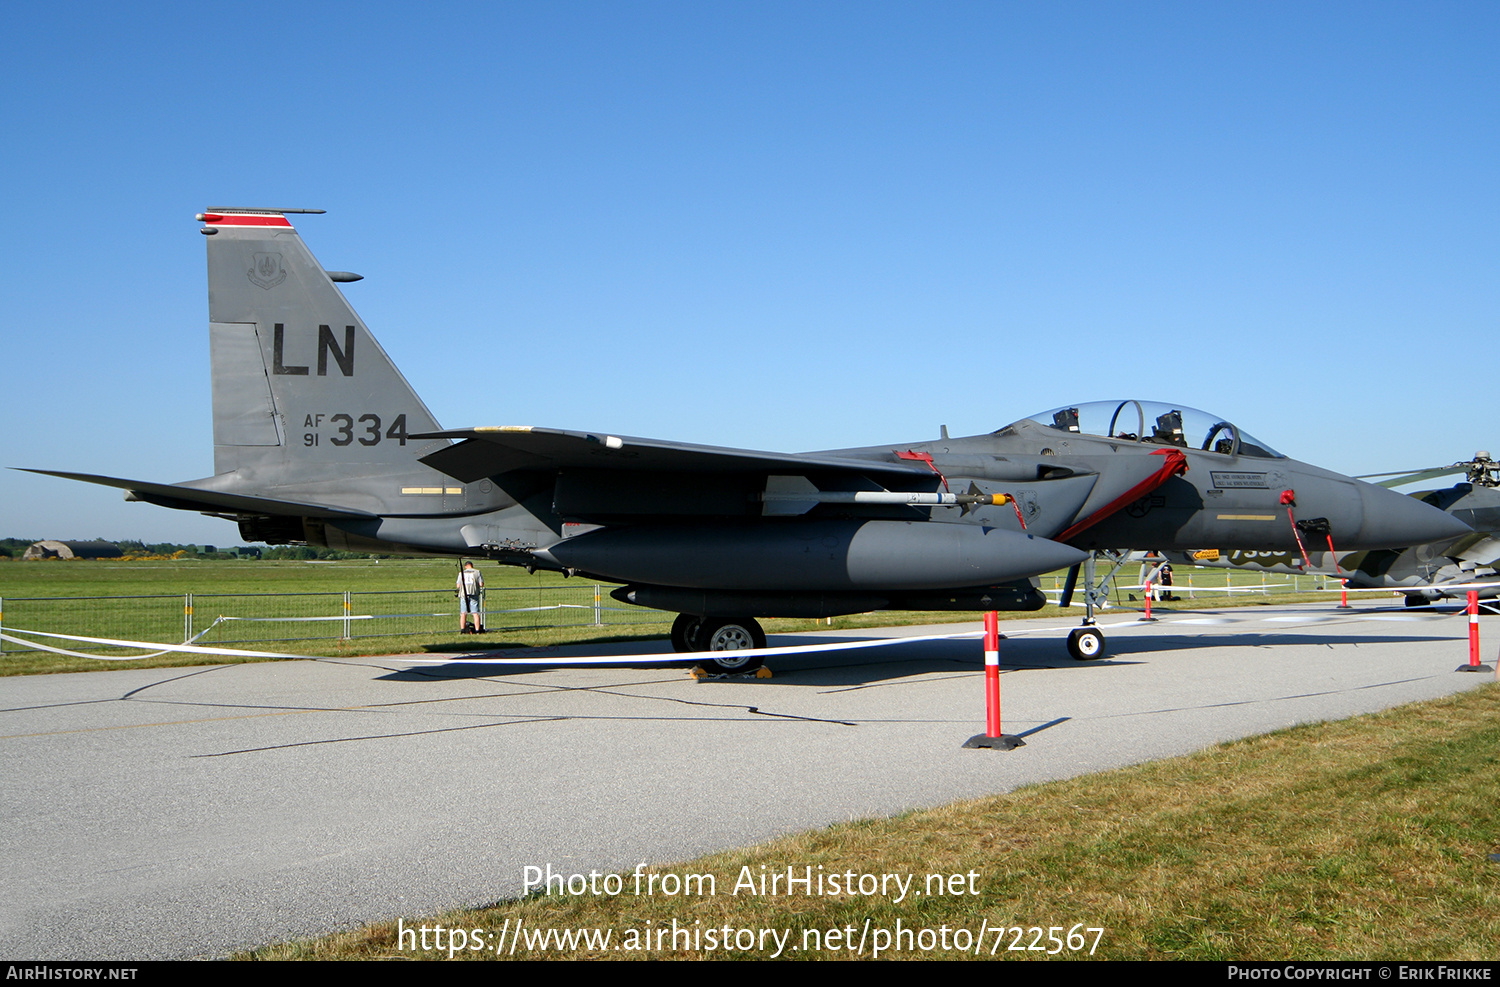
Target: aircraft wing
{"x":187,"y":498}
{"x":486,"y":452}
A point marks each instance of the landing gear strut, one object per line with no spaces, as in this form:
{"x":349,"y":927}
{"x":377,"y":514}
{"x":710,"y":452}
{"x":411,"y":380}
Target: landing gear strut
{"x":1087,"y":642}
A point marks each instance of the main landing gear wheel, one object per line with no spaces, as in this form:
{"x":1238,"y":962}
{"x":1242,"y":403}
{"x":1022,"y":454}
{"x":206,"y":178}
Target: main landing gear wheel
{"x":734,"y":641}
{"x":685,"y":633}
{"x":1085,"y":643}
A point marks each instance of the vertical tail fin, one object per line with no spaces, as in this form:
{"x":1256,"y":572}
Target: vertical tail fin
{"x":303,"y":395}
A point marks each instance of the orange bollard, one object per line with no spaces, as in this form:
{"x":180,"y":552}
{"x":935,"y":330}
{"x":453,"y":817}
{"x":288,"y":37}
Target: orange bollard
{"x":1343,"y":583}
{"x":1473,"y":627}
{"x":992,"y":738}
{"x":1474,"y":664}
{"x":992,"y":673}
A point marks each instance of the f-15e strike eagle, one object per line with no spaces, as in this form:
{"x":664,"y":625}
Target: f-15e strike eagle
{"x":318,"y":439}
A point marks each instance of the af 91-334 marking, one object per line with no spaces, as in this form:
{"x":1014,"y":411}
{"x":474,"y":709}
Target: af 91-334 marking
{"x":368,"y":433}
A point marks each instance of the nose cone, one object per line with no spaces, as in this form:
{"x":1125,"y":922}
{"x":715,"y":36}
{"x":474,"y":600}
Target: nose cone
{"x":1394,"y":520}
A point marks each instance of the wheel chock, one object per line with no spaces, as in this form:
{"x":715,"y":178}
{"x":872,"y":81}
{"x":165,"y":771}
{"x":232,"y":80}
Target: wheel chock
{"x":702,"y":674}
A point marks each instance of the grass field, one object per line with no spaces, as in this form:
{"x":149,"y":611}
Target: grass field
{"x":146,"y":601}
{"x":1362,"y":839}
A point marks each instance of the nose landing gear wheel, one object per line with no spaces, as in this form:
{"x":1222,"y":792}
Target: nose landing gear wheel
{"x":1086,"y":643}
{"x":733,"y":641}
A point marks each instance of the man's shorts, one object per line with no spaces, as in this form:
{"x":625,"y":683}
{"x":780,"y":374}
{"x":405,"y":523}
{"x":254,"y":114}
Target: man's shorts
{"x":468,"y":604}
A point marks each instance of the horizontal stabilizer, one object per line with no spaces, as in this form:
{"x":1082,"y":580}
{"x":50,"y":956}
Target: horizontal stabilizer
{"x":187,"y":498}
{"x":495,"y":451}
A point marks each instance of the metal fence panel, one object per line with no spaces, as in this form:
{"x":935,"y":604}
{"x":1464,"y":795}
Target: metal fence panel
{"x":129,"y":618}
{"x":263,"y":618}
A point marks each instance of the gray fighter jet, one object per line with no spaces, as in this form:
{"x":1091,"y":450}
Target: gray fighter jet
{"x":1421,"y":573}
{"x":318,"y":439}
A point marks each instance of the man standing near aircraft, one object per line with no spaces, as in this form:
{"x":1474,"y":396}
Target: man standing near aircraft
{"x":470,"y":586}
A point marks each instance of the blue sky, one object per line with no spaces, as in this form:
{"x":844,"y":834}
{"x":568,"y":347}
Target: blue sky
{"x":783,"y":226}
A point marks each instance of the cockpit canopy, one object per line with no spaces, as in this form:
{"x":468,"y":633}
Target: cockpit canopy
{"x":1155,"y":422}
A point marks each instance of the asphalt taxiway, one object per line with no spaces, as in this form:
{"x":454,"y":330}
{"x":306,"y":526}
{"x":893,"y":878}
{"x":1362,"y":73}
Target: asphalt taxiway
{"x":154,"y":814}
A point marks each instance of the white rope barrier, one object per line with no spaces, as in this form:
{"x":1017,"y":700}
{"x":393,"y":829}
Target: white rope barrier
{"x":114,"y":642}
{"x":457,"y":659}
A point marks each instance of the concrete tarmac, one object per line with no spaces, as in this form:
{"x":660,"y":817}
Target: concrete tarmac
{"x":168,"y":813}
